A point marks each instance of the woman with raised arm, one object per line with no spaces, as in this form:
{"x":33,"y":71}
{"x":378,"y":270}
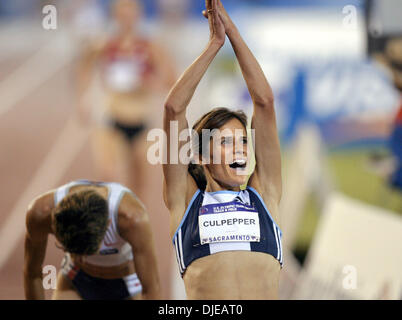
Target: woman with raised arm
{"x":227,"y":241}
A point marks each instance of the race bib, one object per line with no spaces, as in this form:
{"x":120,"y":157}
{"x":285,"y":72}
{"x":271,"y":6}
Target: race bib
{"x":228,"y":222}
{"x":123,"y":76}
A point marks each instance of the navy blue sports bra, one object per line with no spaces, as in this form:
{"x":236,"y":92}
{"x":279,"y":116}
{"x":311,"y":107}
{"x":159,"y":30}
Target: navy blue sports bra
{"x":226,"y":221}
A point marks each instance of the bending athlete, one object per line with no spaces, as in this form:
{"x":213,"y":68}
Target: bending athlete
{"x":227,"y":242}
{"x":105,"y":232}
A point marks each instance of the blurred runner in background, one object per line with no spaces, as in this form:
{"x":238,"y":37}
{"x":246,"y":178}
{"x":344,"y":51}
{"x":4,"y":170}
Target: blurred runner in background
{"x":134,"y":72}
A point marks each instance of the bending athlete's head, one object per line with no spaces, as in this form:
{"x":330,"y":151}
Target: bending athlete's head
{"x":80,"y":221}
{"x":126,"y":13}
{"x":225,"y":160}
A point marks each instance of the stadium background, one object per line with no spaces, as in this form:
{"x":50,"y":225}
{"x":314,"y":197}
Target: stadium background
{"x":335,"y":102}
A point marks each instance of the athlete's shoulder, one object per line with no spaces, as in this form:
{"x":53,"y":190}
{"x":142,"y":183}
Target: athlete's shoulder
{"x":266,"y":191}
{"x":144,"y":40}
{"x":267,"y":199}
{"x":131,"y":207}
{"x":39,"y":211}
{"x":132,"y":216}
{"x":43,"y":203}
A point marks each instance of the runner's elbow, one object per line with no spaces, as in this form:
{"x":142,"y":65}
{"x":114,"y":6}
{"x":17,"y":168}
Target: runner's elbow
{"x":265,"y":101}
{"x":173,"y":109}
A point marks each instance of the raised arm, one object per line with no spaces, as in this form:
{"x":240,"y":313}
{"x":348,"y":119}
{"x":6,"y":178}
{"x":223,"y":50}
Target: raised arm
{"x":134,"y":227}
{"x":267,"y":176}
{"x":175,"y":175}
{"x":38,"y":222}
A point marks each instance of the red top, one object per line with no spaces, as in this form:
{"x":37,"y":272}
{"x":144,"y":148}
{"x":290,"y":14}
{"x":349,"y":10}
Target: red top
{"x":139,"y":52}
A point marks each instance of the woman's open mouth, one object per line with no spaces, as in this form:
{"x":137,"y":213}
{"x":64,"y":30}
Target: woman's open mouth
{"x":241,"y":163}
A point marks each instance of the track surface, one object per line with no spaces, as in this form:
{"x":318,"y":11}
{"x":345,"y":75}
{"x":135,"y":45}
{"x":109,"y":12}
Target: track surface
{"x":34,"y":139}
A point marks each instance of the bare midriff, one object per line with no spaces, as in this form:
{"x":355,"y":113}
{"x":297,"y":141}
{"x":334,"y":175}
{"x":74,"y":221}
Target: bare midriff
{"x":233,"y":275}
{"x":131,"y":108}
{"x":106,"y":272}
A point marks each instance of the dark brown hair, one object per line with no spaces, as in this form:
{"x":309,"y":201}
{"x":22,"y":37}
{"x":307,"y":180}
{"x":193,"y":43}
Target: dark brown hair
{"x":214,"y":119}
{"x":80,"y":222}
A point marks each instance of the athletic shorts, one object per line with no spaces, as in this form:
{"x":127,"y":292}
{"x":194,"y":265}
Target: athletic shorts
{"x":130,"y":132}
{"x":93,"y":288}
